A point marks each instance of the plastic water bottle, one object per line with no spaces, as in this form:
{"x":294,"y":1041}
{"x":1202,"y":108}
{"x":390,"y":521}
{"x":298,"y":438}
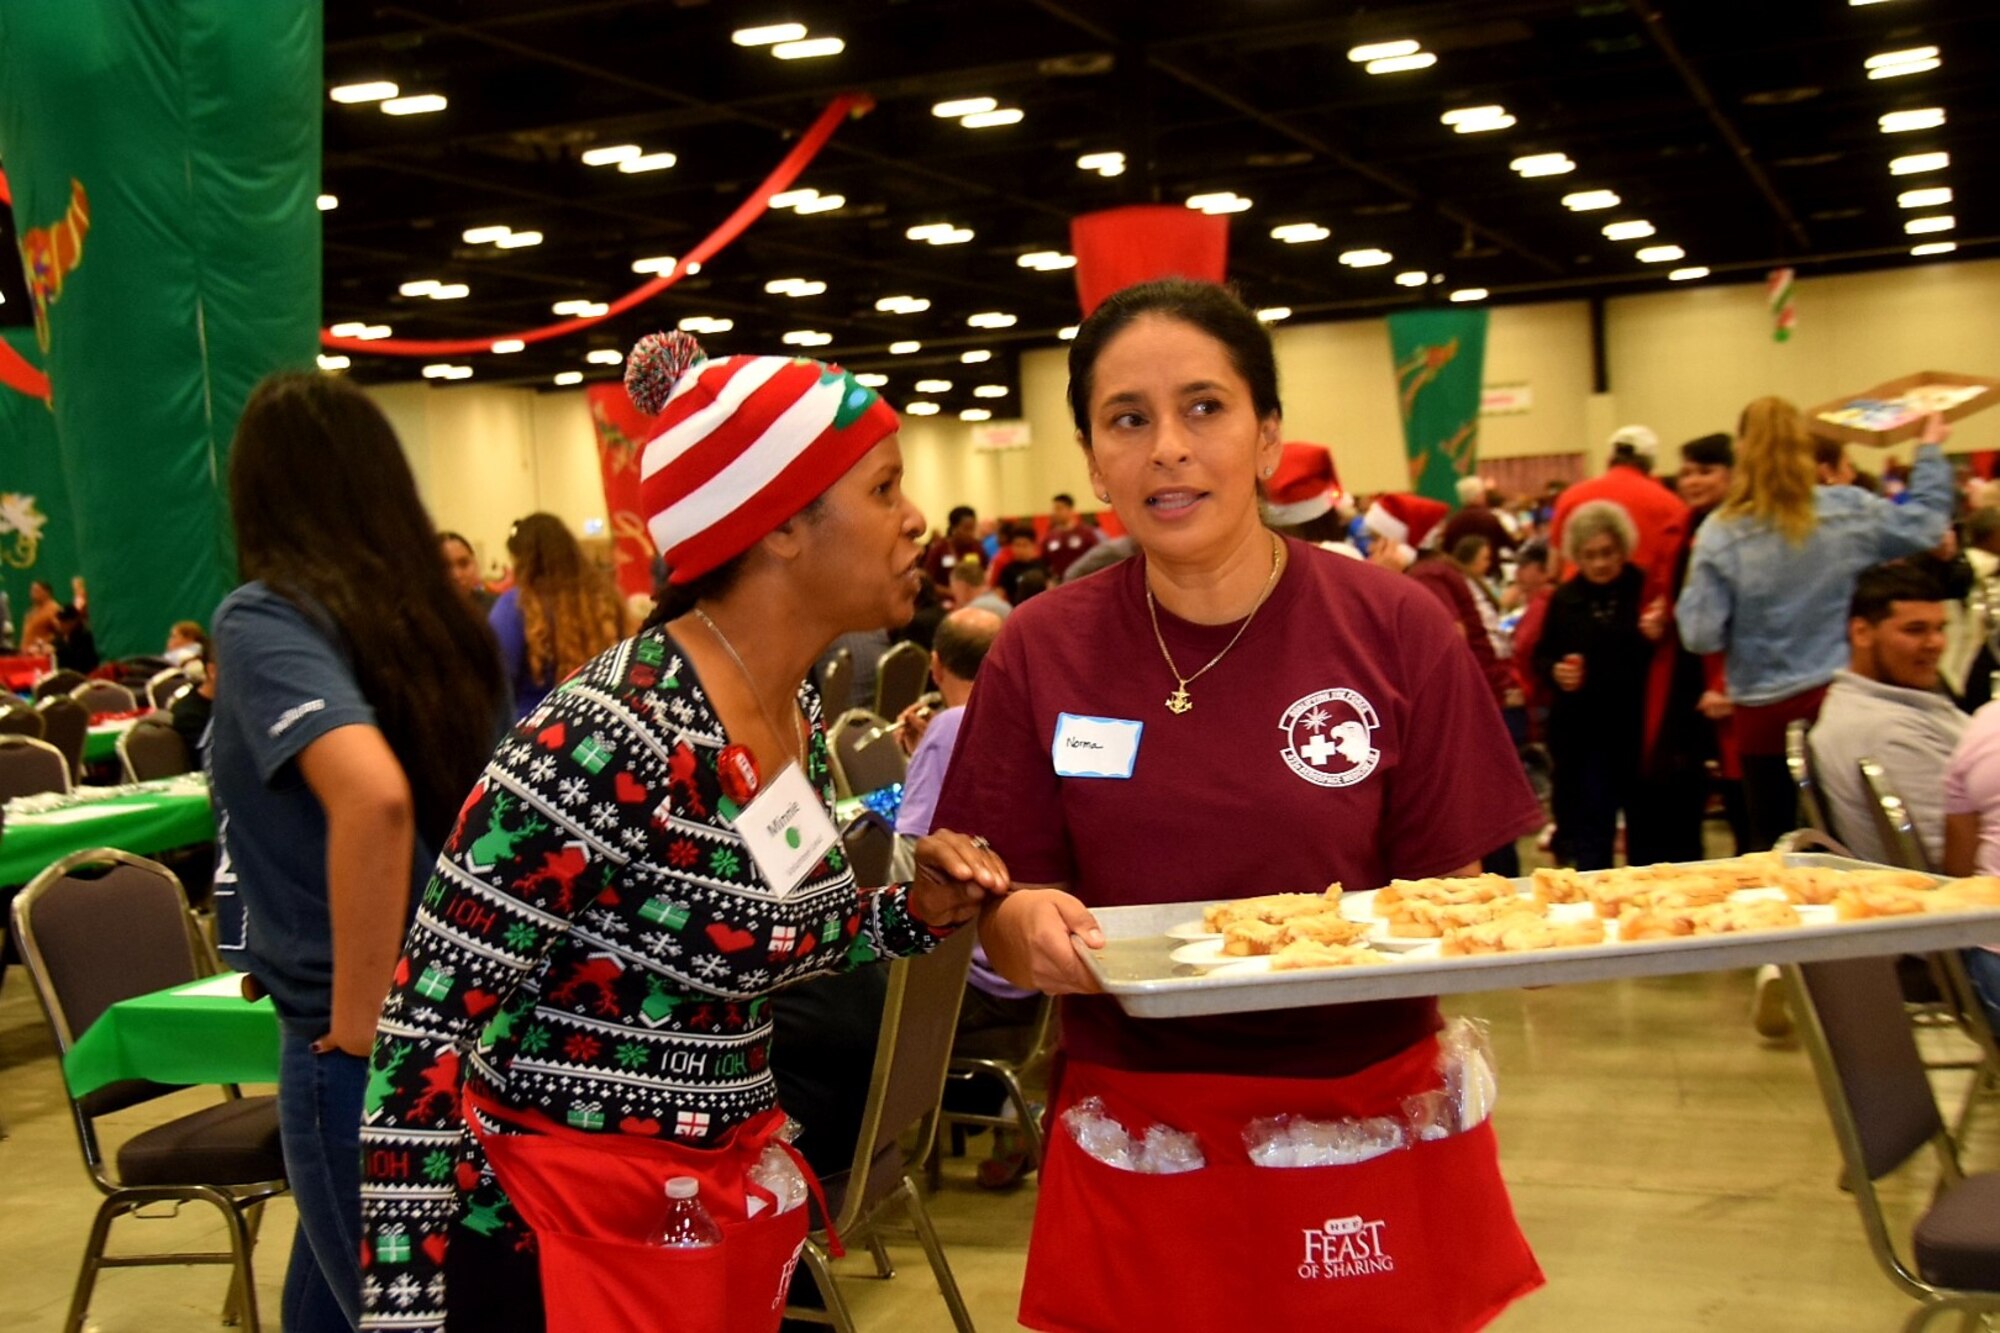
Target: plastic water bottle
{"x":688,"y":1225}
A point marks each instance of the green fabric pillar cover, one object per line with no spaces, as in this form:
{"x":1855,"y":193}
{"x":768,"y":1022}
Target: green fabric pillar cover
{"x":37,"y":529}
{"x":164,"y":157}
{"x":1440,"y":358}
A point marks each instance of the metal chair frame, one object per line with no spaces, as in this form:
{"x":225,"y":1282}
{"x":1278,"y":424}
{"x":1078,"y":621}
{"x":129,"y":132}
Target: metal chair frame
{"x":878,"y":732}
{"x":836,"y":685}
{"x":862,"y":1220}
{"x":93,"y":692}
{"x":1935,"y":1300}
{"x":1893,"y":821}
{"x":1009,"y":1073}
{"x":56,"y":704}
{"x":905,"y":665}
{"x":13,"y":741}
{"x":130,"y":770}
{"x":241,"y":1205}
{"x":163,"y":687}
{"x":1798,"y":760}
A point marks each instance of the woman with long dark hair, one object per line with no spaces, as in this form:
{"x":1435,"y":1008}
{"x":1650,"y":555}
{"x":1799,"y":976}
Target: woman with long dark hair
{"x":343,"y":742}
{"x":559,"y":614}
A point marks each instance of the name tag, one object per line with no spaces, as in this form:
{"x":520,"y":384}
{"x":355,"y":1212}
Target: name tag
{"x":1095,"y":747}
{"x":786,"y":830}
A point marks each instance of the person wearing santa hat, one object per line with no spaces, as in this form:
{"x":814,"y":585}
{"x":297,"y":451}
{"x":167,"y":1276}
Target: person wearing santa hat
{"x":1398,"y":523}
{"x":580,"y":1011}
{"x":1230,"y":712}
{"x":1303,"y":499}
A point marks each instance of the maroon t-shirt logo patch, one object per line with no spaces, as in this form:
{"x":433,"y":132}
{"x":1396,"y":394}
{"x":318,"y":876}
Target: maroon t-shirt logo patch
{"x":1327,"y":738}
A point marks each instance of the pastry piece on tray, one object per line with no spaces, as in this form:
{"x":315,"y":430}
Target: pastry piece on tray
{"x":1863,"y":902}
{"x":1613,"y":897}
{"x":1726,"y":918}
{"x":1271,"y":908}
{"x":1817,"y":887}
{"x":1422,"y":920}
{"x":1469,"y":889}
{"x":1559,"y":884}
{"x":1516,"y":933}
{"x":1300,"y":955}
{"x":1250,"y":938}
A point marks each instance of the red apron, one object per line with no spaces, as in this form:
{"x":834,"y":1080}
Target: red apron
{"x":1421,"y":1240}
{"x":591,"y":1200}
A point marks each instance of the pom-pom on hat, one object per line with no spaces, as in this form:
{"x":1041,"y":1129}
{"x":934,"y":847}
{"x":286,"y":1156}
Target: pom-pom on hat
{"x":1304,"y":486}
{"x":1405,"y":519}
{"x":741,"y":444}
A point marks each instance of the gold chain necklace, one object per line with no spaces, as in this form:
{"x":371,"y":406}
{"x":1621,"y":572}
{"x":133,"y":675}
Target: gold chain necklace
{"x":777,"y":732}
{"x":1178,"y":701}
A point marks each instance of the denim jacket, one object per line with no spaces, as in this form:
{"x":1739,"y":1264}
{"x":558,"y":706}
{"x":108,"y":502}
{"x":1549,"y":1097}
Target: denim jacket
{"x":1779,"y":610}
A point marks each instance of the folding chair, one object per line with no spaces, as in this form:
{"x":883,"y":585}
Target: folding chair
{"x":227,"y":1154}
{"x":163,"y":687}
{"x":969,"y":1066}
{"x":865,"y":754}
{"x":59,"y":682}
{"x":30,"y":766}
{"x":918,"y":1019}
{"x":836,"y":681}
{"x":1850,"y":1015}
{"x":19,"y":719}
{"x":66,"y":725}
{"x":151,"y":748}
{"x":901,"y":678}
{"x":1798,"y":759}
{"x":104,"y":696}
{"x":1893,"y":822}
{"x":871,"y":849}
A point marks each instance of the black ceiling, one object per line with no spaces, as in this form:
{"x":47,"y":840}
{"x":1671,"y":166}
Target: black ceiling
{"x":1745,"y":132}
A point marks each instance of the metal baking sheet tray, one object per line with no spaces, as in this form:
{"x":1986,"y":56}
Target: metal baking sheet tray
{"x":1134,"y":967}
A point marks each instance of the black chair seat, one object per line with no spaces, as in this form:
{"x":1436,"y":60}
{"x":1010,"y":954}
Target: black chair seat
{"x":230,"y":1143}
{"x":1958,"y":1241}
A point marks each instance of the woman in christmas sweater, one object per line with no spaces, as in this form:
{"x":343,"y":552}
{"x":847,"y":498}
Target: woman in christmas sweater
{"x":647,"y":857}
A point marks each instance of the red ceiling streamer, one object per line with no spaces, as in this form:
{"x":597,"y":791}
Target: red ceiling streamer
{"x":748,"y":211}
{"x":16,"y":372}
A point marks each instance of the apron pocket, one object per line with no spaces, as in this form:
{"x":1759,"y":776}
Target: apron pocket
{"x":1421,"y":1240}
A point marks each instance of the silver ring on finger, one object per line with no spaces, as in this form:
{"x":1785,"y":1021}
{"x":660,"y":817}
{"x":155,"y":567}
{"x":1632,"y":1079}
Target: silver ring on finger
{"x":981,"y":843}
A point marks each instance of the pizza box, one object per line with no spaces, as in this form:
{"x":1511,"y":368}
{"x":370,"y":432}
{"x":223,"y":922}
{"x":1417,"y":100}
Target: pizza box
{"x":1894,"y":411}
{"x":1136,"y":968}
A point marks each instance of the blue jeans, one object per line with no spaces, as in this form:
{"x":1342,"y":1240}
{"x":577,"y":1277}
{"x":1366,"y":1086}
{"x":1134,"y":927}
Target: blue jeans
{"x":319,"y":1118}
{"x":1982,"y":966}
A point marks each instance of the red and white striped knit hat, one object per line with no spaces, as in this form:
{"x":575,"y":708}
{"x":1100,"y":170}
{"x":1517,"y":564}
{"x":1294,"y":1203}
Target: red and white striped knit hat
{"x":742,"y":444}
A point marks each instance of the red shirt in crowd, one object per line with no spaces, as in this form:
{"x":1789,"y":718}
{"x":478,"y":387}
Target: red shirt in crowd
{"x":946,"y":552}
{"x":1347,"y":737}
{"x":1660,"y":516}
{"x":1063,"y":547}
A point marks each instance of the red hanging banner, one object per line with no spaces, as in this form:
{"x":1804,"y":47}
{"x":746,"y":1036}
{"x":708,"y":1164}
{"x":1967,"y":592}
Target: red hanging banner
{"x":1121,"y":246}
{"x":622,"y":432}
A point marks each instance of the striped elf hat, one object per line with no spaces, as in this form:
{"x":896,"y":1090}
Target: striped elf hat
{"x":742,"y":444}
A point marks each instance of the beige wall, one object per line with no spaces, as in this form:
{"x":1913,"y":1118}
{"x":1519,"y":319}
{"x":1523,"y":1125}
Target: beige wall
{"x":1683,"y":361}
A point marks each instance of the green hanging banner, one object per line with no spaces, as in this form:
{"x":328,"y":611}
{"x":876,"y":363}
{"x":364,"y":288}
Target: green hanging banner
{"x":37,"y":530}
{"x":164,"y":160}
{"x":1440,"y":358}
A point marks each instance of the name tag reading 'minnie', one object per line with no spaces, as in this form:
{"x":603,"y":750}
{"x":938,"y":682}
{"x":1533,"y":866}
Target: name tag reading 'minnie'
{"x":1095,"y":747}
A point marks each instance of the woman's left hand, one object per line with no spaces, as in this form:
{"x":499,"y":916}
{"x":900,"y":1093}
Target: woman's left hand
{"x":1653,"y":620}
{"x":955,"y":875}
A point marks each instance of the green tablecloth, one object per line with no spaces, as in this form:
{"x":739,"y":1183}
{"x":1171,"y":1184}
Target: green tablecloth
{"x":202,"y":1032}
{"x":149,"y":818}
{"x":100,"y":744}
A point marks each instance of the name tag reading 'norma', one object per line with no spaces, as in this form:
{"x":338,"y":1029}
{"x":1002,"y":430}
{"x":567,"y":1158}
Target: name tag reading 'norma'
{"x":1095,"y":747}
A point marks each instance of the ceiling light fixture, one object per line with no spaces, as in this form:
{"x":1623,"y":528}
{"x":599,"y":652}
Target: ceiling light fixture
{"x":1047,"y":261}
{"x":632,"y":166}
{"x":871,"y":380}
{"x":1930,"y":197}
{"x":1067,"y":332}
{"x":939,"y":233}
{"x":328,"y":202}
{"x":705,"y":324}
{"x":369,"y":333}
{"x":975,"y":414}
{"x":1104,"y":164}
{"x":1542,"y":164}
{"x":805,"y":338}
{"x":921,"y":409}
{"x":1687,"y":274}
{"x":1412,"y":278}
{"x":484,"y":235}
{"x":569,"y":377}
{"x":933,"y":386}
{"x":333,"y":362}
{"x":1271,"y":314}
{"x":1630,"y":230}
{"x":1585,"y":200}
{"x":990,"y":391}
{"x":810,"y":49}
{"x":905,"y":348}
{"x":963,"y":106}
{"x":1300,"y":233}
{"x":1477,"y":119}
{"x":449,"y":291}
{"x":579,"y":308}
{"x":1916,"y":164}
{"x":442,"y":370}
{"x":352,"y":94}
{"x":768,"y":34}
{"x":507,"y":346}
{"x":986,"y":120}
{"x":1218,"y":201}
{"x":825,"y":203}
{"x":793,"y":287}
{"x":1401,"y":64}
{"x":903,"y":305}
{"x":974,"y":357}
{"x":611,"y":155}
{"x":605,"y":356}
{"x":1365,"y":258}
{"x":1934,"y":248}
{"x":351,"y":329}
{"x":1661,"y":254}
{"x":1901,"y":122}
{"x":1898,"y":71}
{"x":1911,"y":56}
{"x":1469,"y":294}
{"x":422,"y":287}
{"x":992,"y":319}
{"x":515,"y":240}
{"x":1404,"y":46}
{"x":659,"y":265}
{"x":793,"y":198}
{"x":420,"y":104}
{"x":1939,"y":222}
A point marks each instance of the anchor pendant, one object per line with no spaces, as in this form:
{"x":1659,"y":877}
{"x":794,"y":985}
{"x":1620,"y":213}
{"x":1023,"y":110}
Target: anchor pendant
{"x":1178,"y":701}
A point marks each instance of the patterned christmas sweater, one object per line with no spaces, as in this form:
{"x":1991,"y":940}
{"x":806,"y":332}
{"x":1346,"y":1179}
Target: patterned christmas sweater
{"x":596,"y":945}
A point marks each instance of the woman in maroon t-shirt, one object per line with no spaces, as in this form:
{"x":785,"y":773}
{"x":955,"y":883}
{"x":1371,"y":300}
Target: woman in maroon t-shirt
{"x":1230,"y":714}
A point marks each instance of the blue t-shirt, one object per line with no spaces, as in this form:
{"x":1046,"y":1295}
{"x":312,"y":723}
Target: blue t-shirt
{"x":512,"y":632}
{"x":284,"y":682}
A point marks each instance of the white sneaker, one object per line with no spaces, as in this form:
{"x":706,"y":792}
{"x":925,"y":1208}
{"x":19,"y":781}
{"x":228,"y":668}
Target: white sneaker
{"x":1767,"y":1007}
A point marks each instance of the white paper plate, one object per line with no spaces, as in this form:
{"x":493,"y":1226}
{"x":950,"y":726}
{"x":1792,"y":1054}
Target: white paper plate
{"x":1192,"y":930}
{"x":1205,"y":953}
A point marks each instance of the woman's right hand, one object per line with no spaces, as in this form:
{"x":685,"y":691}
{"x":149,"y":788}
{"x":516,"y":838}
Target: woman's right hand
{"x":1027,"y":939}
{"x":1936,"y":429}
{"x":1569,"y":673}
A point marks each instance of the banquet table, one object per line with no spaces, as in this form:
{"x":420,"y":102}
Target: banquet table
{"x":142,"y":818}
{"x":197,"y":1032}
{"x":100,"y":743}
{"x":20,"y":673}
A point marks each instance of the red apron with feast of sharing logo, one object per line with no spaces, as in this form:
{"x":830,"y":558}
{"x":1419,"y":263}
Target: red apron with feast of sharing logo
{"x":592,"y":1199}
{"x":1421,"y":1240}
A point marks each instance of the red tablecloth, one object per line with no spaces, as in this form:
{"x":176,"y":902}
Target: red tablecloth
{"x":21,"y":673}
